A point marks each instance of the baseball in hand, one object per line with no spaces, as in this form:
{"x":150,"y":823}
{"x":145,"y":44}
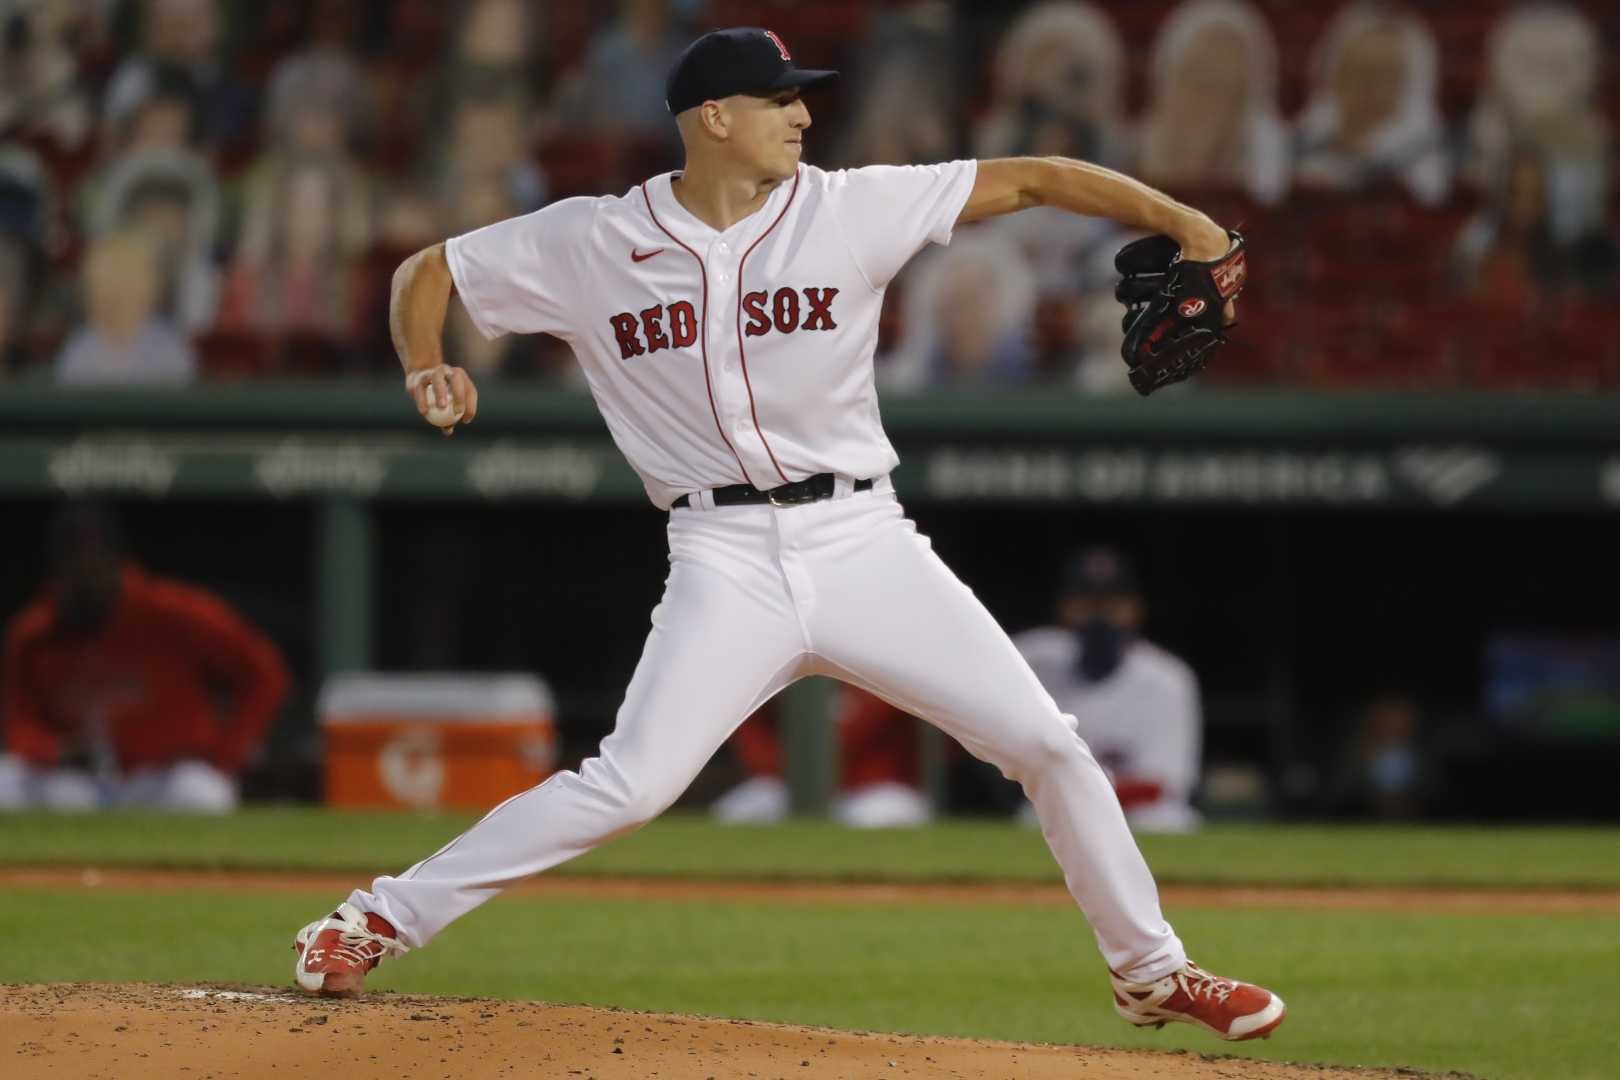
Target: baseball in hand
{"x":444,"y":415}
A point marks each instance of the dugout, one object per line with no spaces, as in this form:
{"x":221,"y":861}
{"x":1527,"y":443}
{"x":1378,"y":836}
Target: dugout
{"x":1304,"y":552}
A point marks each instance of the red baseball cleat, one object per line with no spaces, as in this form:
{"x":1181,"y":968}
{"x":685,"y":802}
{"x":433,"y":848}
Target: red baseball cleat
{"x":1231,"y":1009}
{"x":335,"y":953}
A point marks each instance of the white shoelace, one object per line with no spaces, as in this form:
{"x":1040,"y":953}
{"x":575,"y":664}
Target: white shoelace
{"x":1200,"y":983}
{"x":356,"y":935}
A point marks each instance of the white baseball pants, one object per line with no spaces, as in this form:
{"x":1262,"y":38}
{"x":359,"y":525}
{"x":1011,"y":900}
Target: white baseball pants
{"x":190,"y":786}
{"x":757,"y":597}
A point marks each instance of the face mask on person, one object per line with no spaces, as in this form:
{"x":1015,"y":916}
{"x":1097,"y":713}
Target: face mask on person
{"x":1393,"y":770}
{"x":1102,"y":647}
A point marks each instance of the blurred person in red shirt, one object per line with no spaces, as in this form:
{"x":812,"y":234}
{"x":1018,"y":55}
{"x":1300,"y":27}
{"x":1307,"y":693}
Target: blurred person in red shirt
{"x":113,"y":681}
{"x":880,"y":771}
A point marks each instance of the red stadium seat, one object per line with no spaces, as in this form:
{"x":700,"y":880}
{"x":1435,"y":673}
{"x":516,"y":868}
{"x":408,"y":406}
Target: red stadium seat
{"x":582,"y":163}
{"x":315,"y":355}
{"x":234,"y":354}
{"x":821,"y":30}
{"x":1252,"y":361}
{"x":568,"y":32}
{"x":1371,"y":363}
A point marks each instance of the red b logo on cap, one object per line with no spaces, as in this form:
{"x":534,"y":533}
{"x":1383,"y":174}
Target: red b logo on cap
{"x":781,"y":48}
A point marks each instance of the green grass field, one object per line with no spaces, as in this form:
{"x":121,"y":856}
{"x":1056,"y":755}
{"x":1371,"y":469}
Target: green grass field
{"x":689,"y":846}
{"x":1503,"y":996}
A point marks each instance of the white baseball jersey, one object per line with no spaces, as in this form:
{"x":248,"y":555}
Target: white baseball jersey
{"x":1143,"y":722}
{"x":717,"y":358}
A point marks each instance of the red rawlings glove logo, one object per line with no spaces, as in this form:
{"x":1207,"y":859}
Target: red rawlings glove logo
{"x":1230,"y":275}
{"x":1192,"y":307}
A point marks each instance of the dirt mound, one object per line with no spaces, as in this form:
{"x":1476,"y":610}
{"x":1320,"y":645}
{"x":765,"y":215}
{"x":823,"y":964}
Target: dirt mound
{"x":136,"y":1031}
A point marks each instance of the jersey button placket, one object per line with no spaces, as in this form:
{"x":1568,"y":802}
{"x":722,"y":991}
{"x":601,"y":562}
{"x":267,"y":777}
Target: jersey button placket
{"x":739,"y":420}
{"x":722,"y":273}
{"x":720,"y":266}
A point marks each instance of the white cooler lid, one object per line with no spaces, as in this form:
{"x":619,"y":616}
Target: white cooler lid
{"x":447,"y":695}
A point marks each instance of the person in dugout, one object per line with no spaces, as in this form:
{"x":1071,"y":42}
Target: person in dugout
{"x":1135,"y":703}
{"x":123,"y":689}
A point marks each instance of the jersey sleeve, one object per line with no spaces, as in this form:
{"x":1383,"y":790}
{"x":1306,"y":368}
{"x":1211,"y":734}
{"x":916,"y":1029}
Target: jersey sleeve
{"x":518,"y":276}
{"x":888,"y":212}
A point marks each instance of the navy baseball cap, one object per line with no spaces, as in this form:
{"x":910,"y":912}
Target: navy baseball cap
{"x":741,"y":60}
{"x":1098,"y":571}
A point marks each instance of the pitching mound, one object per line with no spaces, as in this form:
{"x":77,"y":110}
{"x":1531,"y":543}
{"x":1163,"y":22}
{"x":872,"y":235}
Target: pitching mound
{"x":135,"y":1031}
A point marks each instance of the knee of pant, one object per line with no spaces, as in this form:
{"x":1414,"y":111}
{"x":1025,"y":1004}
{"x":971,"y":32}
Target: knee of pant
{"x":622,"y":802}
{"x":642,"y":806}
{"x":1042,"y":749}
{"x":628,"y":797}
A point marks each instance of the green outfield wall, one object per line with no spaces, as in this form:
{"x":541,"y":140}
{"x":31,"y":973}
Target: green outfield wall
{"x":1442,"y":452}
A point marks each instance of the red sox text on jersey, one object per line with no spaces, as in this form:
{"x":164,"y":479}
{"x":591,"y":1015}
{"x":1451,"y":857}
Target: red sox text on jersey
{"x":642,"y":333}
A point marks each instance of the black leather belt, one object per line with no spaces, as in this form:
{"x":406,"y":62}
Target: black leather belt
{"x":809,"y":490}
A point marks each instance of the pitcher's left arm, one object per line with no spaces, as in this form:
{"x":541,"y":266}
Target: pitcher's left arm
{"x":1005,"y":185}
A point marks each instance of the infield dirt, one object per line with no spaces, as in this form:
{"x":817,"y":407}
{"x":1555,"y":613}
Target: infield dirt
{"x":139,"y":1031}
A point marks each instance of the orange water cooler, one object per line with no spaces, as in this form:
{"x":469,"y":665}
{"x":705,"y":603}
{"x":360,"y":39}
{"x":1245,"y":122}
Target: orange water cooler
{"x":428,"y":741}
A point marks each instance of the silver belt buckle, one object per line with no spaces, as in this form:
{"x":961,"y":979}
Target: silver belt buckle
{"x":781,"y":498}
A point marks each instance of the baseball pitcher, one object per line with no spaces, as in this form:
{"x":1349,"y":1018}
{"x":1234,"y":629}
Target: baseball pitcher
{"x":725,"y":317}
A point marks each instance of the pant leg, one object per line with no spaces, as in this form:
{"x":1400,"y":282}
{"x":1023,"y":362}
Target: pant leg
{"x":887,"y":614}
{"x":71,"y":789}
{"x":24,"y":786}
{"x":189,"y":786}
{"x":15,"y":787}
{"x":724,"y":639}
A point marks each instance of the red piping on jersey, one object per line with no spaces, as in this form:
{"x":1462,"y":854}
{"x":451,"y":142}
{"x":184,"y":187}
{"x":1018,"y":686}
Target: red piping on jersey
{"x":741,"y":352}
{"x":703,"y":334}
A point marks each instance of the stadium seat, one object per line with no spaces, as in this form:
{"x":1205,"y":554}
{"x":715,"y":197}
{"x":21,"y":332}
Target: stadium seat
{"x":234,"y":354}
{"x":584,"y":163}
{"x":822,"y":30}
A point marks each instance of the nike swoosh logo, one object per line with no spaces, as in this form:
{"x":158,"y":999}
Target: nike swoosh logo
{"x":636,"y":256}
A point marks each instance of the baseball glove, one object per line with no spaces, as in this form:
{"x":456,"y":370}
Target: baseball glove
{"x":1174,"y":318}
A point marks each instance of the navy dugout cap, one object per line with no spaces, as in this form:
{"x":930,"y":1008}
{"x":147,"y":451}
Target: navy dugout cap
{"x":741,"y":60}
{"x":1099,"y":571}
